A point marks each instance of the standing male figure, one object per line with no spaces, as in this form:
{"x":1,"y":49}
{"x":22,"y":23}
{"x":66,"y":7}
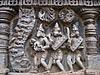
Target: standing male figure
{"x":40,"y":46}
{"x":74,"y":54}
{"x":56,"y":53}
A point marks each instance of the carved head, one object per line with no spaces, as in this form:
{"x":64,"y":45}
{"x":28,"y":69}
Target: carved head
{"x":40,"y":32}
{"x":75,"y":28}
{"x":75,"y":31}
{"x":57,"y":30}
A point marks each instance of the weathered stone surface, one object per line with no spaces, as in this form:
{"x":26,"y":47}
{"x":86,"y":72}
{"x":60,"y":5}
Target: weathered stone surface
{"x":89,"y":17}
{"x":94,"y":62}
{"x":58,"y":73}
{"x":43,"y":39}
{"x":92,"y":72}
{"x":5,"y":19}
{"x":87,"y":72}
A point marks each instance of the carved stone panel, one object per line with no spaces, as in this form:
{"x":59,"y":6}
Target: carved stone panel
{"x":56,"y":37}
{"x":41,"y":41}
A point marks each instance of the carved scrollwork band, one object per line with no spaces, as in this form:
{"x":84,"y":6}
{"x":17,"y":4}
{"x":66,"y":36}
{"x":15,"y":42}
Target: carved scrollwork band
{"x":50,"y":2}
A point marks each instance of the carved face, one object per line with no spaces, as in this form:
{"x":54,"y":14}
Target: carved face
{"x":57,"y":33}
{"x":40,"y":34}
{"x":76,"y":33}
{"x":41,"y":31}
{"x":57,"y":30}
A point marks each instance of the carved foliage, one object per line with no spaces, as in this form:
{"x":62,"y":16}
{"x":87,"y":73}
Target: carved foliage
{"x":47,"y":14}
{"x":18,"y":58}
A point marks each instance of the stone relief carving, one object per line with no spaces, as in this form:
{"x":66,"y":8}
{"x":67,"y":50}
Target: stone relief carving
{"x":47,"y":14}
{"x":56,"y":53}
{"x":74,"y":54}
{"x":67,"y":15}
{"x":48,"y":44}
{"x":18,"y":58}
{"x":40,"y":46}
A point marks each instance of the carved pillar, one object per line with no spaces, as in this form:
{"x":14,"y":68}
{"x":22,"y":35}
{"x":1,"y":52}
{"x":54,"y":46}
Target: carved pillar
{"x":6,"y":15}
{"x":89,"y":16}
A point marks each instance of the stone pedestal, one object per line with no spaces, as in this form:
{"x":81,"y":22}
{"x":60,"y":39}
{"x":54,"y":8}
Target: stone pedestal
{"x":5,"y":19}
{"x":89,"y":16}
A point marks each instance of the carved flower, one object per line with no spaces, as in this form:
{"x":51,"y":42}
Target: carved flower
{"x":66,"y":15}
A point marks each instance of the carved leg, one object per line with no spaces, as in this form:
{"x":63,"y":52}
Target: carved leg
{"x":70,"y":63}
{"x":35,"y":62}
{"x":79,"y":62}
{"x":58,"y":61}
{"x":50,"y":63}
{"x":60,"y":65}
{"x":35,"y":65}
{"x":43,"y":61}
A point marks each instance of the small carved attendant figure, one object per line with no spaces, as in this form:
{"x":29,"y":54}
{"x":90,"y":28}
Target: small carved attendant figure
{"x":56,"y":53}
{"x":74,"y":54}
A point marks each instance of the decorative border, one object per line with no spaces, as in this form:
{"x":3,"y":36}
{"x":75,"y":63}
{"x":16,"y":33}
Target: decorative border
{"x":50,"y":2}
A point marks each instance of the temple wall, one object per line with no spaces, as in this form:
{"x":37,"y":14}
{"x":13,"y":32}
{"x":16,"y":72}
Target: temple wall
{"x":50,"y":37}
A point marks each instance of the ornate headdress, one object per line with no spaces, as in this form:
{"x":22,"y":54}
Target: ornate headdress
{"x":75,"y":28}
{"x":56,"y":28}
{"x":40,"y":31}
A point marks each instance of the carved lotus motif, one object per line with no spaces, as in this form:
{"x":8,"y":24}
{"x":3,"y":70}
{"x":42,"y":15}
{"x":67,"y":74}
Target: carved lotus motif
{"x":47,"y":14}
{"x":66,"y":15}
